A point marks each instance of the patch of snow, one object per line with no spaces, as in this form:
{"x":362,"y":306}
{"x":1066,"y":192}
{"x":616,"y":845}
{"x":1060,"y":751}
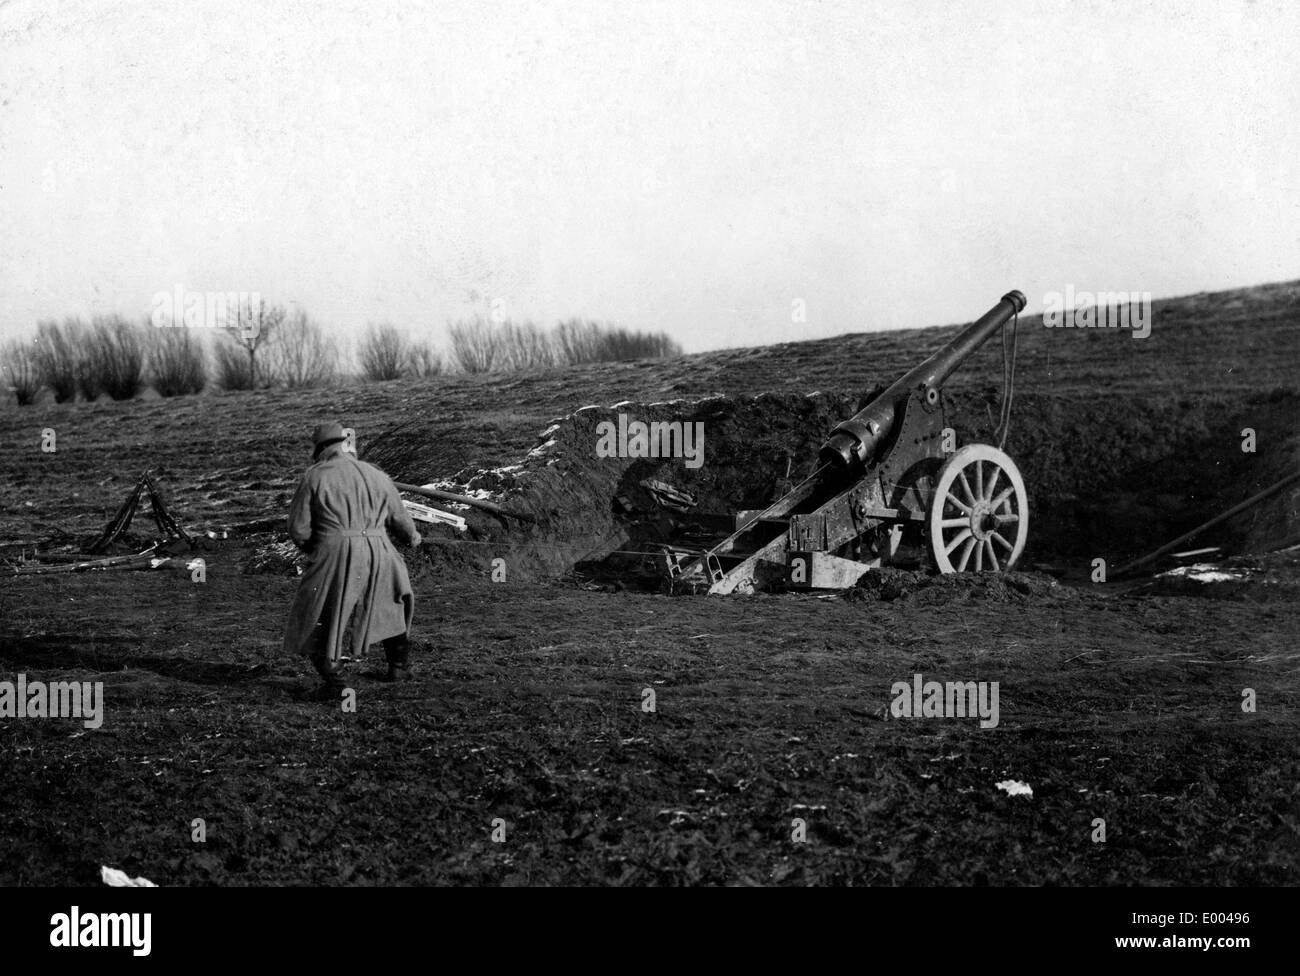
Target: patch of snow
{"x":1204,"y":573}
{"x":666,"y":403}
{"x":119,"y":879}
{"x":1014,"y":787}
{"x":480,"y":493}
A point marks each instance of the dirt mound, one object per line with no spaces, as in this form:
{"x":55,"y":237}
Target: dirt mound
{"x":589,"y":508}
{"x":926,"y":589}
{"x":1106,"y":477}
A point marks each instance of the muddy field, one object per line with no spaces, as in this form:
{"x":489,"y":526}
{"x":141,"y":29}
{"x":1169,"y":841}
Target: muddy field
{"x":1119,"y":702}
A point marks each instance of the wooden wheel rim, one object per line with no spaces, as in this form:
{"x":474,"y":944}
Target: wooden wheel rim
{"x":979,"y":516}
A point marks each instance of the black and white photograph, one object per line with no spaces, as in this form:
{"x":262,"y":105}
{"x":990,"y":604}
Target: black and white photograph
{"x":577,"y":444}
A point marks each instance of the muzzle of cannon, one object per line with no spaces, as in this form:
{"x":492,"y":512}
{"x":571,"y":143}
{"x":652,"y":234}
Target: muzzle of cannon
{"x":889,"y":480}
{"x":853,"y":443}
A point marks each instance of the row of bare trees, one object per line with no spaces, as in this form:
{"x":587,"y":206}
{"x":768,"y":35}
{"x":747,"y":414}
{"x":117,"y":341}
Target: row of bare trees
{"x":117,"y":357}
{"x":267,"y":346}
{"x":482,"y":346}
{"x":108,"y":356}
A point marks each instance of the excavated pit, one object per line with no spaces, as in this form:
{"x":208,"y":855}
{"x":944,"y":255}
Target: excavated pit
{"x":1107,"y":477}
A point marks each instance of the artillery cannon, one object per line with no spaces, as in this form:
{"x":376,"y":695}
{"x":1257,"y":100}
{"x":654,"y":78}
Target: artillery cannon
{"x":886,"y":478}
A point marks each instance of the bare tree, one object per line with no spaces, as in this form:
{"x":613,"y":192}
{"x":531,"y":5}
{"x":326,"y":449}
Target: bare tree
{"x":300,"y":354}
{"x":525,"y":346}
{"x":383,"y":352}
{"x":113,"y":362}
{"x":254,"y":324}
{"x":472,"y":344}
{"x":230,"y":367}
{"x":423,"y":360}
{"x":177,"y":362}
{"x":18,"y":359}
{"x":60,"y":356}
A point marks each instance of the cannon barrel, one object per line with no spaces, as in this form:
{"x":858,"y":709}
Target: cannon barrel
{"x":854,"y":442}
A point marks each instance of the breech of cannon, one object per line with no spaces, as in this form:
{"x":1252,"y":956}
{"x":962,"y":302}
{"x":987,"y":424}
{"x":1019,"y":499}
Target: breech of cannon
{"x":855,"y":442}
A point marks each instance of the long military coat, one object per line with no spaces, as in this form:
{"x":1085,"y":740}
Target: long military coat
{"x":355,"y":581}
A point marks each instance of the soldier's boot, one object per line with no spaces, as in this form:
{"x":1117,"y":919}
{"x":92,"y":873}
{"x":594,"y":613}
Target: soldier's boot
{"x":397,"y":651}
{"x":332,"y":681}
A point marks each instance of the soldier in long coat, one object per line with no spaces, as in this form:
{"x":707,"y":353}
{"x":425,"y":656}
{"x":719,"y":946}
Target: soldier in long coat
{"x":355,"y":583}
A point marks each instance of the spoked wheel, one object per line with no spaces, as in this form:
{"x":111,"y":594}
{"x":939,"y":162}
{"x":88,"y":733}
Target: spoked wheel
{"x":979,"y":516}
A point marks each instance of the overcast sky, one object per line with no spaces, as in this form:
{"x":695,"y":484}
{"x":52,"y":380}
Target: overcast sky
{"x":692,"y":167}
